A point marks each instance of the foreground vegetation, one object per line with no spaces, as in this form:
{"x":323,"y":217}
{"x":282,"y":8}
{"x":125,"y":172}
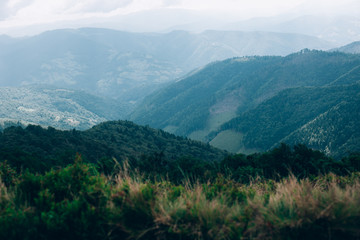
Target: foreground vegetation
{"x":79,"y":202}
{"x":167,"y":187}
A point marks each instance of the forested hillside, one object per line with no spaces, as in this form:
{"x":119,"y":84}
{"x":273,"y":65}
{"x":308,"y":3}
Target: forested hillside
{"x":40,"y":149}
{"x":5,"y":123}
{"x":321,"y":117}
{"x":335,"y":131}
{"x":254,"y":196}
{"x":203,"y":101}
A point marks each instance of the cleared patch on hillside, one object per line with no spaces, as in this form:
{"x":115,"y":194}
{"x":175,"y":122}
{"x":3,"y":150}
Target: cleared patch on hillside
{"x":228,"y":140}
{"x":213,"y":123}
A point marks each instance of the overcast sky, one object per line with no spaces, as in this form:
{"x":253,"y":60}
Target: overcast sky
{"x":18,"y":15}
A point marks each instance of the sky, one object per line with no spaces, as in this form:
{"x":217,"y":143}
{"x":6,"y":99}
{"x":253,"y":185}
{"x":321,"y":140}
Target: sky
{"x":26,"y":17}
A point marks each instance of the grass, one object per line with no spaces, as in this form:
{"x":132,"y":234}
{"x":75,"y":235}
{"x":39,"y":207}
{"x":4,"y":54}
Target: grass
{"x":77,"y":202}
{"x":228,"y":140}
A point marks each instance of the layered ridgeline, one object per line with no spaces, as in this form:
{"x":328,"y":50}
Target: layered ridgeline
{"x":57,"y":107}
{"x":40,"y":148}
{"x":214,"y":103}
{"x":340,"y":29}
{"x":127,"y":65}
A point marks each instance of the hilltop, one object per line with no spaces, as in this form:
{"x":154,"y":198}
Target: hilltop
{"x":40,"y":149}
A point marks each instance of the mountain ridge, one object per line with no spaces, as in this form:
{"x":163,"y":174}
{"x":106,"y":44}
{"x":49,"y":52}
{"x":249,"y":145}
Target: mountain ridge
{"x":249,"y":80}
{"x":126,"y":65}
{"x":200,"y":104}
{"x":36,"y":147}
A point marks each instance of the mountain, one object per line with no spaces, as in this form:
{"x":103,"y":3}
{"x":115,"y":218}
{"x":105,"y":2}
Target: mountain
{"x":322,"y":117}
{"x":353,"y":47}
{"x":339,"y":30}
{"x":202,"y":102}
{"x":213,"y":95}
{"x":57,"y":107}
{"x":128,"y":66}
{"x":38,"y":148}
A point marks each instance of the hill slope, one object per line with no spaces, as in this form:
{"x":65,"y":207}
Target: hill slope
{"x":234,"y":92}
{"x":324,"y":118}
{"x":201,"y":102}
{"x":57,"y":107}
{"x":37,"y":148}
{"x":336,"y":131}
{"x":353,"y":47}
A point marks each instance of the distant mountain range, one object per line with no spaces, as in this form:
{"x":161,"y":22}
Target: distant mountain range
{"x":339,"y":30}
{"x":129,"y":66}
{"x":214,"y":103}
{"x":75,"y":79}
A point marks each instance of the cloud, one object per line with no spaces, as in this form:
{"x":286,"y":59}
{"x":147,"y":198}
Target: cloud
{"x":22,"y":14}
{"x":10,"y":8}
{"x":96,"y":6}
{"x":172,"y":3}
{"x":4,"y":12}
{"x":34,"y":9}
{"x":16,"y":13}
